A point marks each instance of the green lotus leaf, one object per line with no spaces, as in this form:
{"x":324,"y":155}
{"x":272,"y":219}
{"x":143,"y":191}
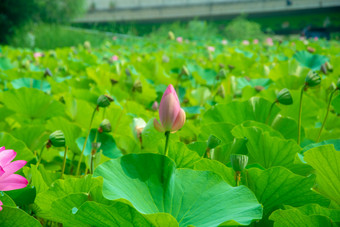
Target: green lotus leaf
{"x":8,"y":141}
{"x":278,"y":186}
{"x":256,"y":109}
{"x":12,"y":216}
{"x":34,"y":136}
{"x":31,"y":83}
{"x":312,"y":61}
{"x":32,"y":103}
{"x":152,"y":184}
{"x":326,"y":162}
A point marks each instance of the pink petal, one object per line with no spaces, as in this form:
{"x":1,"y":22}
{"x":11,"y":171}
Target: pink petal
{"x":12,"y":182}
{"x":2,"y":149}
{"x":179,"y":122}
{"x":170,"y":90}
{"x":13,"y":167}
{"x":157,"y":125}
{"x":1,"y":171}
{"x":168,"y":111}
{"x":1,"y":205}
{"x":6,"y":157}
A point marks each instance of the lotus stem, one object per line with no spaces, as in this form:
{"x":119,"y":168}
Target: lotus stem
{"x":93,"y":152}
{"x":238,"y":177}
{"x":167,"y":136}
{"x":299,"y":118}
{"x":270,"y":111}
{"x":88,"y":134}
{"x":40,"y":156}
{"x":64,"y":163}
{"x":325,"y":119}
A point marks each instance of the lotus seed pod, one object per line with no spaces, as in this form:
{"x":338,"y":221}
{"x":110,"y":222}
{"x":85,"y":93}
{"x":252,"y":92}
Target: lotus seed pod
{"x":221,"y":91}
{"x":259,"y":88}
{"x":137,"y":86}
{"x":329,"y":66}
{"x":47,"y":72}
{"x":171,"y":35}
{"x":222,"y":74}
{"x":185,"y":71}
{"x":238,"y":162}
{"x":104,"y":101}
{"x":312,"y":79}
{"x":105,"y":126}
{"x":310,"y":49}
{"x":231,"y":67}
{"x":332,"y":87}
{"x":323,"y":68}
{"x":213,"y":142}
{"x":57,"y":139}
{"x":239,"y":146}
{"x":284,"y":97}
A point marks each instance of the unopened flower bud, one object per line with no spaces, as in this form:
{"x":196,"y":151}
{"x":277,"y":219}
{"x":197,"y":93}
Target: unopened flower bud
{"x":312,"y":79}
{"x":238,"y":162}
{"x":323,"y":68}
{"x":104,"y":101}
{"x":329,"y":66}
{"x":284,"y":97}
{"x":47,"y":72}
{"x":185,"y":71}
{"x":222,"y":74}
{"x":221,"y":91}
{"x":137,"y":86}
{"x":87,"y":45}
{"x":213,"y":142}
{"x":155,"y":106}
{"x":332,"y":87}
{"x":105,"y":126}
{"x":258,"y":88}
{"x":310,"y":49}
{"x":57,"y":139}
{"x":171,"y":35}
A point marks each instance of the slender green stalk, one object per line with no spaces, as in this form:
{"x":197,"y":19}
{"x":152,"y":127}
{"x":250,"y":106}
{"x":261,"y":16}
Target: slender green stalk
{"x":238,"y":178}
{"x":270,"y":111}
{"x":167,"y":136}
{"x":41,"y":152}
{"x":88,"y":134}
{"x":299,"y":118}
{"x":72,"y":166}
{"x":93,"y":152}
{"x":325,"y":119}
{"x":64,"y":163}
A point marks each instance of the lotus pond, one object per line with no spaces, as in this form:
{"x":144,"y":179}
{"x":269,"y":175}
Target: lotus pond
{"x":171,"y":133}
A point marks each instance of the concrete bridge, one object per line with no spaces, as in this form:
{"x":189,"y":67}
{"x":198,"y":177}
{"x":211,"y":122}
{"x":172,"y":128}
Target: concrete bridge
{"x":157,"y":10}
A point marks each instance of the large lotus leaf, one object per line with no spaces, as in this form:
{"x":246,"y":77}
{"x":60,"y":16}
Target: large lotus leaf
{"x":336,"y":104}
{"x":312,"y":61}
{"x":268,"y":150}
{"x":34,"y":136}
{"x":326,"y":161}
{"x":70,"y":130}
{"x":31,"y":83}
{"x":181,"y":155}
{"x":107,"y":144}
{"x":11,"y":143}
{"x":6,"y":200}
{"x":12,"y":216}
{"x":278,"y":186}
{"x":76,"y":210}
{"x":241,"y":130}
{"x":256,"y":109}
{"x":287,"y":127}
{"x":220,"y":130}
{"x":225,"y":172}
{"x":32,"y":103}
{"x":294,"y":217}
{"x":152,"y":184}
{"x":335,"y":142}
{"x":60,"y":189}
{"x":315,"y":209}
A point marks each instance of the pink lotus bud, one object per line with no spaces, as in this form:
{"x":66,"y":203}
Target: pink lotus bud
{"x":114,"y":38}
{"x":255,"y":41}
{"x":245,"y":42}
{"x":211,"y":48}
{"x":179,"y":39}
{"x":114,"y":58}
{"x":171,"y":115}
{"x":155,"y":106}
{"x":316,"y":38}
{"x":269,"y":41}
{"x":38,"y":54}
{"x":224,"y":42}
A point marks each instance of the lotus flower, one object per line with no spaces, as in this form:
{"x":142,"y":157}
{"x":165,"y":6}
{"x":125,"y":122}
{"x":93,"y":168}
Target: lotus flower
{"x":224,"y":42}
{"x":245,"y":42}
{"x":8,"y":180}
{"x":179,"y":39}
{"x":38,"y":54}
{"x":1,"y":205}
{"x":269,"y":41}
{"x":255,"y":41}
{"x":171,"y":115}
{"x":114,"y":58}
{"x":211,"y":48}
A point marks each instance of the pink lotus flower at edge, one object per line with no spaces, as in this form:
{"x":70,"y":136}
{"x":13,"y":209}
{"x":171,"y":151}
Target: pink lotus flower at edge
{"x":1,"y":205}
{"x":8,"y":180}
{"x":171,"y":115}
